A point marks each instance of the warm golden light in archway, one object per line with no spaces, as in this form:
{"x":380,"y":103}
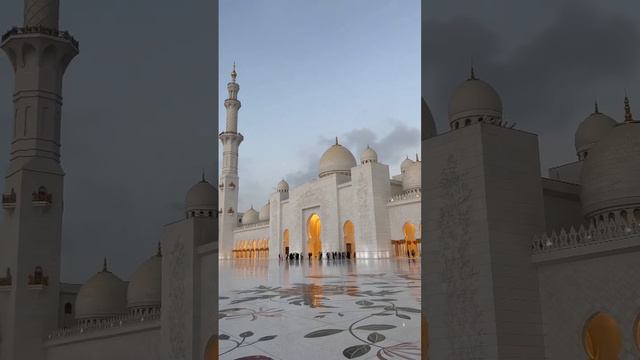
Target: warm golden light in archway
{"x":314,"y":227}
{"x":349,"y":237}
{"x":410,"y":240}
{"x":601,"y":338}
{"x":285,"y":242}
{"x":211,"y":351}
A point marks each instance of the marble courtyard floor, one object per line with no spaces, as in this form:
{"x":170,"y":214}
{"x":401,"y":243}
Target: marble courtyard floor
{"x":343,"y":309}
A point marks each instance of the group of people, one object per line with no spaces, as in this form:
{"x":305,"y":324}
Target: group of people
{"x":335,"y":255}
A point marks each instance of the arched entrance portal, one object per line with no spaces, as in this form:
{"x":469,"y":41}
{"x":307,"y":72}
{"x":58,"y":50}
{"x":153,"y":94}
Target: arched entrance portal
{"x":349,"y":237}
{"x":410,"y":242}
{"x":285,"y":241}
{"x":314,"y":226}
{"x":601,"y":338}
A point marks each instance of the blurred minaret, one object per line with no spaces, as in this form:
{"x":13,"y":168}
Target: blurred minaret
{"x":32,"y":200}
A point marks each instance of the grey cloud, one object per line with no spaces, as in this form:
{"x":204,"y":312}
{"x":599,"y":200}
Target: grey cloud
{"x":549,"y":80}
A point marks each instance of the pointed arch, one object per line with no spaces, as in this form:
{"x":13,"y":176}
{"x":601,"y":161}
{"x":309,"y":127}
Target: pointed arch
{"x":348,"y":230}
{"x":601,"y":337}
{"x":314,"y":229}
{"x":285,"y":242}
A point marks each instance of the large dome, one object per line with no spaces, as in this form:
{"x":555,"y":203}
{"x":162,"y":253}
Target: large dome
{"x":473,"y":100}
{"x":337,"y":160}
{"x":251,"y":216}
{"x":611,"y":171}
{"x":201,"y":196}
{"x":405,"y":164}
{"x":145,"y":287}
{"x":591,"y":130}
{"x":427,"y":123}
{"x":103,"y":295}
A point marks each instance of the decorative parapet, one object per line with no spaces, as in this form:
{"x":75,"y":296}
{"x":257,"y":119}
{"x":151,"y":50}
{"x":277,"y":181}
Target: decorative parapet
{"x":41,"y":30}
{"x":596,"y":233}
{"x":116,"y":322}
{"x":252,"y":226}
{"x":411,"y":195}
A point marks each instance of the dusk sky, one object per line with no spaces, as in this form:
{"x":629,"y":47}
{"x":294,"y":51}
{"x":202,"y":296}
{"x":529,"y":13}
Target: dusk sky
{"x":313,"y":70}
{"x":549,"y":60}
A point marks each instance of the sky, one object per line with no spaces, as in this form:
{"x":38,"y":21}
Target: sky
{"x":548,"y":59}
{"x":312,"y":70}
{"x":141,"y":105}
{"x":138,"y":124}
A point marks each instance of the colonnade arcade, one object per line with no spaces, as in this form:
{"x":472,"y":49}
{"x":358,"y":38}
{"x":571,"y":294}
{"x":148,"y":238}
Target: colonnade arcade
{"x":409,"y":246}
{"x":251,"y":249}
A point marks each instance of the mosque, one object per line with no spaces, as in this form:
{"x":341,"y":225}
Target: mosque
{"x":356,"y":208}
{"x":515,"y":264}
{"x":520,"y":265}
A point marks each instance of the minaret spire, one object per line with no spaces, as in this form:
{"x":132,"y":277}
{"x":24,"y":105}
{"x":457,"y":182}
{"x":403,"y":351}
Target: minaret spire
{"x":595,"y":103}
{"x":628,"y":117}
{"x":104,"y":265}
{"x":234,"y":74}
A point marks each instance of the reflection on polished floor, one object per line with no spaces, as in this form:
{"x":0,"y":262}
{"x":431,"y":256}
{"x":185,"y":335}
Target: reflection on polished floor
{"x":334,"y":309}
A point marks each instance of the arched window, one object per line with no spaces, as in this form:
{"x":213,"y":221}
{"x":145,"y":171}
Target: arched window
{"x":68,"y":308}
{"x":601,"y":337}
{"x":467,"y":122}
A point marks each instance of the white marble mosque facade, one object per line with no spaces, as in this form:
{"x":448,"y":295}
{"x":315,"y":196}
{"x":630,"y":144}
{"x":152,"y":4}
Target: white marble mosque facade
{"x":515,"y":264}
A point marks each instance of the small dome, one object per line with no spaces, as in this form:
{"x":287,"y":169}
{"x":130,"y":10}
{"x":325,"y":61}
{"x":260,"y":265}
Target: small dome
{"x":250,"y":216}
{"x":264,"y":212}
{"x":283,"y":186}
{"x":337,"y":160}
{"x":406,"y":163}
{"x":201,"y":196}
{"x":611,"y":171}
{"x":427,"y":123}
{"x":369,"y":155}
{"x":591,"y":130}
{"x":145,"y":287}
{"x":475,"y":99}
{"x":102,"y":296}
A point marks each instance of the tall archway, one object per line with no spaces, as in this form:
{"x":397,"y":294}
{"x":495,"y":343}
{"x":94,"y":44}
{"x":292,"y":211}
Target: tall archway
{"x":411,"y":246}
{"x":349,"y":237}
{"x":601,"y":337}
{"x":314,"y":227}
{"x":285,"y":241}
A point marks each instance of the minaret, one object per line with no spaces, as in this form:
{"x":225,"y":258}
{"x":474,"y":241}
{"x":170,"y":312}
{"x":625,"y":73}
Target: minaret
{"x":229,"y":180}
{"x":32,"y":201}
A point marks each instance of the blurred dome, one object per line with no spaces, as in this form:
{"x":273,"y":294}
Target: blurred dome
{"x":412,"y":178}
{"x":145,"y":287}
{"x":250,"y":216}
{"x":475,"y":99}
{"x":405,"y":164}
{"x":369,"y":156}
{"x":103,"y":295}
{"x":283,"y":186}
{"x":591,"y":130}
{"x":201,"y":196}
{"x":428,"y":124}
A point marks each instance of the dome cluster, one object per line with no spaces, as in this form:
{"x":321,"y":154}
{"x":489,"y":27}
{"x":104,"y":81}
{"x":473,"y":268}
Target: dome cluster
{"x":105,"y":295}
{"x":611,"y":170}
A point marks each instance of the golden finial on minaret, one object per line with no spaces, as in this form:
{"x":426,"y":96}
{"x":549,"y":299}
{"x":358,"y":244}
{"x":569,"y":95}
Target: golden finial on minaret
{"x":104,"y":264}
{"x":596,"y":111}
{"x":337,"y":140}
{"x":627,"y":109}
{"x":159,"y":249}
{"x":234,"y":74}
{"x":473,"y":73}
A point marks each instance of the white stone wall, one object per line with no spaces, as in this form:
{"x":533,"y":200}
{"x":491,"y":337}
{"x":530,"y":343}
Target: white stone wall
{"x":573,"y":291}
{"x":132,"y":343}
{"x":402,"y":212}
{"x":562,"y":207}
{"x":567,"y":172}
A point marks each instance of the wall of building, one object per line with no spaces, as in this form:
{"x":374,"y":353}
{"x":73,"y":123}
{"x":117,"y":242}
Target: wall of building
{"x":572,"y":291}
{"x":562,"y":207}
{"x":132,"y":343}
{"x":402,"y":212}
{"x":567,"y":172}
